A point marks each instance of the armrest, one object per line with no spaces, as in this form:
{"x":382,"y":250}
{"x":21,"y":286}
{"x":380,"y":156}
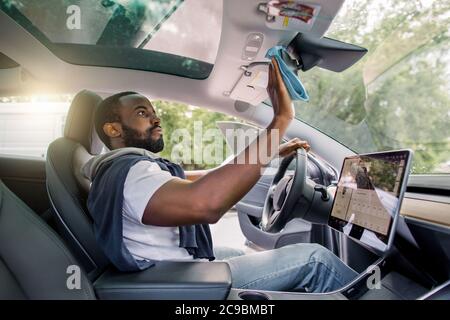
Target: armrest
{"x":167,"y":280}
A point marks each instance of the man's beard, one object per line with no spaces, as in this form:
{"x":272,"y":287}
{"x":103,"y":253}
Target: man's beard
{"x":132,"y":138}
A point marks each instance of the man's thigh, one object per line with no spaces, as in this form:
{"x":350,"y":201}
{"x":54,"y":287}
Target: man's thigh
{"x":292,"y":267}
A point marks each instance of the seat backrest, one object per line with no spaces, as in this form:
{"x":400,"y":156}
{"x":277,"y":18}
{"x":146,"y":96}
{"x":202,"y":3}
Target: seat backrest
{"x":66,"y":187}
{"x":34,"y":262}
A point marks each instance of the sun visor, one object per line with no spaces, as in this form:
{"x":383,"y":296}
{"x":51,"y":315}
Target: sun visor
{"x":251,"y":86}
{"x":312,"y":17}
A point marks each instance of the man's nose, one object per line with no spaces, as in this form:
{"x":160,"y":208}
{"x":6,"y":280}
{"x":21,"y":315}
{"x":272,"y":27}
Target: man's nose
{"x":156,"y":121}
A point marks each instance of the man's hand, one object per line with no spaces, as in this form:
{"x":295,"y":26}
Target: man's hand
{"x":288,"y":148}
{"x":278,"y":93}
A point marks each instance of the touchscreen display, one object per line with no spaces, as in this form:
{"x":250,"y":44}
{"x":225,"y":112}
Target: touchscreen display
{"x":368,"y":196}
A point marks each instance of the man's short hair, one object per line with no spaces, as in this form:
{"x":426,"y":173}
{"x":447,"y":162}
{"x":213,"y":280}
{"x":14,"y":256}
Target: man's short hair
{"x":106,"y":112}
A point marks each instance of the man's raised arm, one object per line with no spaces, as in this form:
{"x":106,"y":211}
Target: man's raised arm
{"x":183,"y":202}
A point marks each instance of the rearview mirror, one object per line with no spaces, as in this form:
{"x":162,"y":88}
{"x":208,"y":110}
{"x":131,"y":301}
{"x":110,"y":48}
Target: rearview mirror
{"x":324,"y":53}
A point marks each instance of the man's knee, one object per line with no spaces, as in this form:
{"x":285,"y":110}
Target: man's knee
{"x":314,"y":251}
{"x":320,"y":251}
{"x":308,"y":247}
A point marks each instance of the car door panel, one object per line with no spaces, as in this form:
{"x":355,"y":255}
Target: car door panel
{"x":253,"y":202}
{"x":296,"y":231}
{"x":26,"y":178}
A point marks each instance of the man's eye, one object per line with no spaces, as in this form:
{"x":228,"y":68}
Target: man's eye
{"x":142,"y":113}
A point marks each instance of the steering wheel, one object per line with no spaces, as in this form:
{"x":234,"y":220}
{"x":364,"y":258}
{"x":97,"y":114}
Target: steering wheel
{"x":286,"y":192}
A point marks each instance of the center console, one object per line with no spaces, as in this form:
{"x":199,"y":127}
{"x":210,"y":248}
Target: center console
{"x":392,"y":286}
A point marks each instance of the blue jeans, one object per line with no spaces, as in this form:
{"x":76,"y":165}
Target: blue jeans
{"x":302,"y":266}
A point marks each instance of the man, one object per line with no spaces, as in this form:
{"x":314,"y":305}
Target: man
{"x":147,"y":209}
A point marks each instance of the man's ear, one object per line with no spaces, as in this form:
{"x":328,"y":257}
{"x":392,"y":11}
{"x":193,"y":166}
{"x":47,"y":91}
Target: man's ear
{"x":112,"y":129}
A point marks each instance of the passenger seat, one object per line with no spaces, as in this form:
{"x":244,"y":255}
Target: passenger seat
{"x":34,"y":263}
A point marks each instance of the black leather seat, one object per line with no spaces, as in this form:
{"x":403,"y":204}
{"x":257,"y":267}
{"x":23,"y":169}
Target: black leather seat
{"x":67,"y":188}
{"x":34,"y":263}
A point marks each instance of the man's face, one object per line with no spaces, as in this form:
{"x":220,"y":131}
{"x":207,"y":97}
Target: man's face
{"x":140,"y":124}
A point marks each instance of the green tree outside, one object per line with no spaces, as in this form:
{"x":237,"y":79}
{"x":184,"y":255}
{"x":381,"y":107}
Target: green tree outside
{"x":398,"y":96}
{"x":175,"y":116}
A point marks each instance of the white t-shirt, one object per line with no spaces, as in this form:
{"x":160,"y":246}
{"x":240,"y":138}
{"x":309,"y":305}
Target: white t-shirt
{"x":146,"y":241}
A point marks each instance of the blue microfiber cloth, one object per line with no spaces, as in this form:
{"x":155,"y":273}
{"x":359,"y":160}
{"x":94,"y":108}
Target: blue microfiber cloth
{"x":293,"y":84}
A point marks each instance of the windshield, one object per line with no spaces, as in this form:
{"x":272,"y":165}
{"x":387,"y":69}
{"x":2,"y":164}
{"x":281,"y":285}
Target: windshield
{"x":160,"y":35}
{"x":398,"y":96}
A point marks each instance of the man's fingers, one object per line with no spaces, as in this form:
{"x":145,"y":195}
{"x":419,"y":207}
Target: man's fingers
{"x":274,"y":73}
{"x":277,"y":70}
{"x":297,"y":143}
{"x":289,"y":148}
{"x":271,"y":76}
{"x":304,"y":145}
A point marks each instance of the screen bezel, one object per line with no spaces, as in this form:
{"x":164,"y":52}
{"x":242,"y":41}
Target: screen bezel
{"x":333,"y":222}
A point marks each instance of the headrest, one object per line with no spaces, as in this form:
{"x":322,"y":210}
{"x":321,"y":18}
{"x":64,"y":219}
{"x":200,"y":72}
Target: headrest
{"x":80,"y":121}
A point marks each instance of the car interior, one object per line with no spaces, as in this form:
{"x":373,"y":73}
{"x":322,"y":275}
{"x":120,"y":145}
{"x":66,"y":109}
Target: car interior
{"x":366,"y":106}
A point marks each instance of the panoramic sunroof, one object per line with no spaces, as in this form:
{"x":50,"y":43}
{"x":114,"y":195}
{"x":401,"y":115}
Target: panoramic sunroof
{"x":165,"y":36}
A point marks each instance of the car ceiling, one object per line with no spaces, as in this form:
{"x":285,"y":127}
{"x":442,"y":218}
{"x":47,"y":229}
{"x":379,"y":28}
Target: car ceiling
{"x":41,"y":72}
